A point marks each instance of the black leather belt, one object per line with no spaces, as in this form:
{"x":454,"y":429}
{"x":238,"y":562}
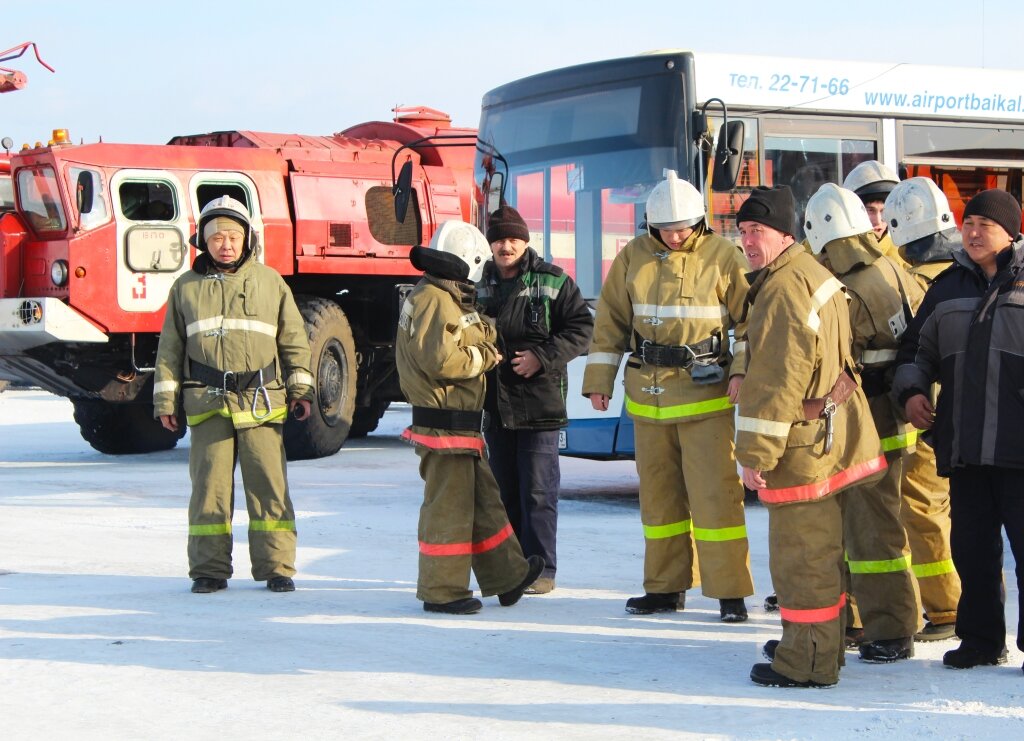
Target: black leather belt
{"x":231,"y":380}
{"x":447,"y":419}
{"x":678,"y":356}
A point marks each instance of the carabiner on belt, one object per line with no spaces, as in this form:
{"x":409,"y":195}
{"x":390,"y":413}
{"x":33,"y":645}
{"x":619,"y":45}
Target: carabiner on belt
{"x":259,"y":391}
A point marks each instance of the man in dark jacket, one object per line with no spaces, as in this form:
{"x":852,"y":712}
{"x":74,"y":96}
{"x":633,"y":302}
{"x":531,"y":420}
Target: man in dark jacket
{"x":967,"y":335}
{"x":543,"y":323}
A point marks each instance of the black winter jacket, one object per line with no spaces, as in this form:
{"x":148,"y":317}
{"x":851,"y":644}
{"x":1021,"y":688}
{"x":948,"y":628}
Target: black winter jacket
{"x":969,"y":336}
{"x":544,"y":313}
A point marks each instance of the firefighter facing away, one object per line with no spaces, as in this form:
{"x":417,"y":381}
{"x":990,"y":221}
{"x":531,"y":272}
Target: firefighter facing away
{"x":443,"y":350}
{"x":872,"y":182}
{"x":234,"y":347}
{"x":671,"y":296}
{"x":803,"y":435}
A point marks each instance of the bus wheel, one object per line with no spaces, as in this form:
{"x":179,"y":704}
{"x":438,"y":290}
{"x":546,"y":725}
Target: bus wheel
{"x":123,"y":429}
{"x":334,"y":370}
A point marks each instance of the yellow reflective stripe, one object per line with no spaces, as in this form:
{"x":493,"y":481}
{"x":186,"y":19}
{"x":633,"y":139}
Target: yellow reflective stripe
{"x":898,"y":442}
{"x":680,"y":312}
{"x":678,"y":410}
{"x":657,"y":532}
{"x":937,"y":568}
{"x":195,"y":419}
{"x":270,"y":526}
{"x":245,"y":416}
{"x":763,"y":426}
{"x":877,"y":356}
{"x":879,"y":567}
{"x":162,"y":387}
{"x":299,"y":377}
{"x":604,"y":358}
{"x":221,"y":528}
{"x":720,"y":534}
{"x":825,"y":291}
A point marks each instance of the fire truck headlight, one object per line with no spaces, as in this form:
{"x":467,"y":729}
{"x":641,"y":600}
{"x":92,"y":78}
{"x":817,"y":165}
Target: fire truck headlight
{"x":59,"y":272}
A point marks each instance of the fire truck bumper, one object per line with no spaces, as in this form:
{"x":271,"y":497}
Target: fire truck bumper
{"x":30,"y":322}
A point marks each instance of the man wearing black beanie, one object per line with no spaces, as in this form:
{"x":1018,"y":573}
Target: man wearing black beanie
{"x":967,"y":335}
{"x":804,"y":434}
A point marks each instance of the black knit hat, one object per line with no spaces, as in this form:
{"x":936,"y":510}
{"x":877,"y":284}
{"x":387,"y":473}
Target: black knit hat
{"x":772,"y":207}
{"x":505,"y":223}
{"x":999,"y":206}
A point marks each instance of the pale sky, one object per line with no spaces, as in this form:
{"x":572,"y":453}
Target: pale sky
{"x":146,"y":71}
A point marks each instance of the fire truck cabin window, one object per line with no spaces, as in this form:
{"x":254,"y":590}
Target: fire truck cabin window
{"x":147,"y":201}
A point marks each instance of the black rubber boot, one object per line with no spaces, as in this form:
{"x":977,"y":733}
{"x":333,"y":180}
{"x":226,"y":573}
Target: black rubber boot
{"x":764,"y":675}
{"x":967,"y":657}
{"x":732,"y":610}
{"x":656,"y":602}
{"x":207,"y":584}
{"x":853,"y":638}
{"x":280,"y":584}
{"x":771,"y":603}
{"x":465,"y":606}
{"x":887,"y":651}
{"x":768,"y":649}
{"x":509,"y":598}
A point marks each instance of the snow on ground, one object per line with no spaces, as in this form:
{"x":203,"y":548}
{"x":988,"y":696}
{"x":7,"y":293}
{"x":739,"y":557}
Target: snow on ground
{"x":101,"y":638}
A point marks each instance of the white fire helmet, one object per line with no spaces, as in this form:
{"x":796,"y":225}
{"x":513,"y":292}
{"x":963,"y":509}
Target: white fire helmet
{"x":834,"y":213}
{"x":675,"y":203}
{"x":465,"y":242}
{"x":916,"y":208}
{"x":871,"y":180}
{"x":222,"y":206}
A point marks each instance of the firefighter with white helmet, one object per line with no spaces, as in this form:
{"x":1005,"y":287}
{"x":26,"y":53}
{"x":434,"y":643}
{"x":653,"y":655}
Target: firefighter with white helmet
{"x":883,"y":299}
{"x":444,"y":348}
{"x":670,"y":298}
{"x":804,"y":436}
{"x":234,"y":347}
{"x":923,"y":229}
{"x":872,"y":182}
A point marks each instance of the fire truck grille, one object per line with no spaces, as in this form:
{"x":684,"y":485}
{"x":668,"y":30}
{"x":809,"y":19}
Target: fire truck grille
{"x":341,"y":235}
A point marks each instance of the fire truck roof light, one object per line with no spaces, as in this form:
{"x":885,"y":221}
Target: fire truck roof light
{"x":61,"y":136}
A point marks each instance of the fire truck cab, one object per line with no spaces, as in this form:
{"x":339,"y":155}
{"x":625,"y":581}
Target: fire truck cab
{"x":99,"y":232}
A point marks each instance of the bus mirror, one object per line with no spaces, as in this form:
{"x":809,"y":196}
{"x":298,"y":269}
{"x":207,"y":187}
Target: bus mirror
{"x":84,"y":192}
{"x":495,"y":192}
{"x":402,"y":191}
{"x":728,"y":157}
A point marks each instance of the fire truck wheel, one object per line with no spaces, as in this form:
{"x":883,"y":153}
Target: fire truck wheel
{"x":334,"y":370}
{"x":366,"y":419}
{"x":123,"y":429}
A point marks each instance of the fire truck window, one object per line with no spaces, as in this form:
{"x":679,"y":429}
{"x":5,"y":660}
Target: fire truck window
{"x":208,"y":191}
{"x":380,"y":213}
{"x":147,"y":201}
{"x":98,"y":213}
{"x":6,"y":193}
{"x":40,"y":200}
{"x":154,"y":249}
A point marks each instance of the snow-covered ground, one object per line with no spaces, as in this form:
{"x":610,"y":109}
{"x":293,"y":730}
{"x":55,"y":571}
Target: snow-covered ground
{"x":101,"y":638}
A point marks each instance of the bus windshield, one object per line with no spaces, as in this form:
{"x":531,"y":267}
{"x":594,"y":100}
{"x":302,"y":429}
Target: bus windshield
{"x":581,"y":164}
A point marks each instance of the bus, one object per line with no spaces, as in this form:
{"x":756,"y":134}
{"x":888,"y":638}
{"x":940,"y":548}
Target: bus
{"x":577,"y":150}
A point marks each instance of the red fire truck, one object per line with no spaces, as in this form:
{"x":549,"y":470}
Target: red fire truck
{"x":99,"y":232}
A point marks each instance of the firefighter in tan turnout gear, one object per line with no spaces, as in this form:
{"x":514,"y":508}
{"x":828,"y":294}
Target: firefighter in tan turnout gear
{"x":444,"y":348}
{"x":924,"y":230}
{"x":234,"y":346}
{"x":872,"y":182}
{"x":671,"y":297}
{"x":803,"y":435}
{"x":883,"y":299}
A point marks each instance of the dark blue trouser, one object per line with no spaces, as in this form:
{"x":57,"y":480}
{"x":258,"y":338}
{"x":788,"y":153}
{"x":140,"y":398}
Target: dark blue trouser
{"x":525,"y":465}
{"x":983,"y":500}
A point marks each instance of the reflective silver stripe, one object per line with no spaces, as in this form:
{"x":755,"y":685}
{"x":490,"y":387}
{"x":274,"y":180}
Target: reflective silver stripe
{"x":405,"y":319}
{"x":763,"y":426}
{"x":299,"y":377}
{"x":478,"y":361}
{"x":468,"y":320}
{"x":604,"y":358}
{"x":163,"y":387}
{"x":681,"y":312}
{"x":739,"y":346}
{"x":877,"y":356}
{"x":251,"y":325}
{"x":825,"y":291}
{"x":203,"y":325}
{"x":546,"y":291}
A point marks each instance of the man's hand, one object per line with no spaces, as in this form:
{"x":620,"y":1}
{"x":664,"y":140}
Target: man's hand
{"x":299,"y":408}
{"x":753,"y":479}
{"x":734,"y":388}
{"x":920,"y":412}
{"x":525,"y":363}
{"x":169,"y":421}
{"x":599,"y":402}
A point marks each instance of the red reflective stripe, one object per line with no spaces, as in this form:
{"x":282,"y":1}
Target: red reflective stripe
{"x":466,"y":549}
{"x":818,"y":489}
{"x":818,"y":615}
{"x":444,"y":442}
